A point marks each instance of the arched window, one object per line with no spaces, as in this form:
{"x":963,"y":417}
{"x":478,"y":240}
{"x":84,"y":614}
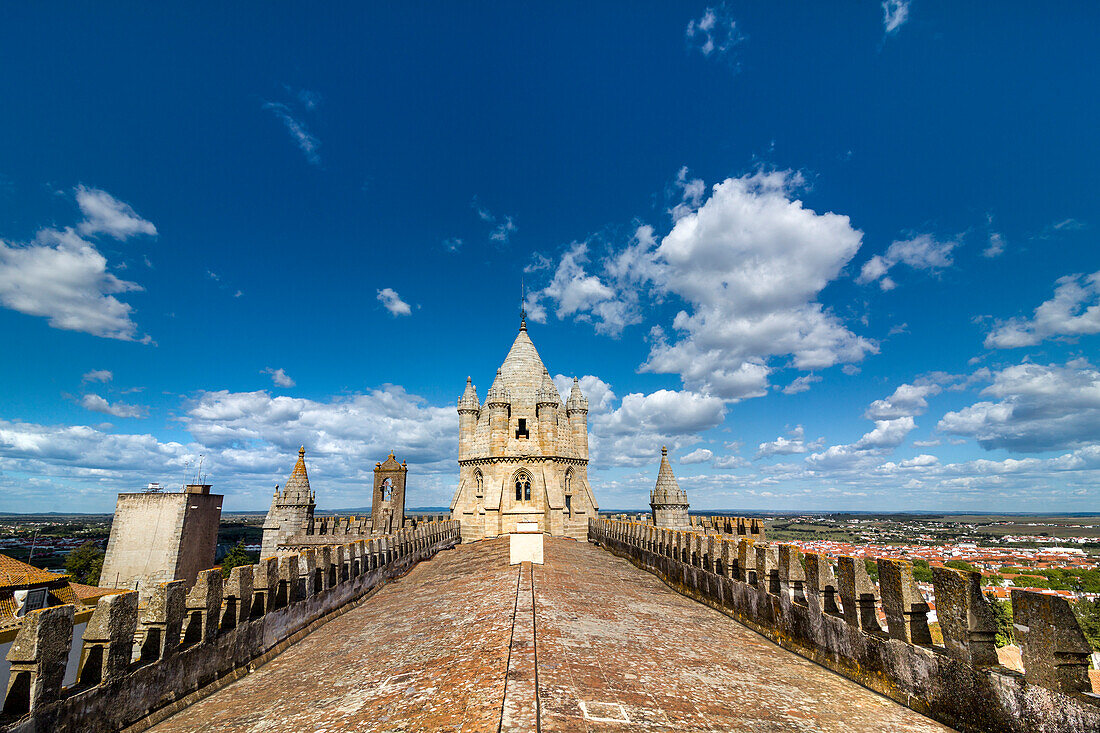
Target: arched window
{"x":523,"y":487}
{"x":479,"y":482}
{"x":568,"y":487}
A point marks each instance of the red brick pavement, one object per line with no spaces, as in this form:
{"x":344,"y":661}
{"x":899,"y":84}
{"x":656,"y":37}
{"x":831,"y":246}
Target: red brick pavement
{"x":613,"y":650}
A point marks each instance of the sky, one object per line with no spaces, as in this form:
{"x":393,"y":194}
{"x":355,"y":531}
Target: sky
{"x":835,"y":258}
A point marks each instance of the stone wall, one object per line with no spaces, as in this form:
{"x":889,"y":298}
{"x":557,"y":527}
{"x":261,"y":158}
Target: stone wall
{"x":833,"y":619}
{"x":140,"y":664}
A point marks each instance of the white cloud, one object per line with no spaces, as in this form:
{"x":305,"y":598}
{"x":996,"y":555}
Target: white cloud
{"x":392,"y":302}
{"x":715,"y":32}
{"x":922,"y":252}
{"x":104,"y":214}
{"x":996,"y":245}
{"x":751,"y":262}
{"x":279,"y":377}
{"x":63,"y":277}
{"x":453,"y":244}
{"x":504,"y":230}
{"x":98,"y":375}
{"x":96,"y":403}
{"x":801,"y":384}
{"x":908,"y":399}
{"x":894,"y":15}
{"x":1035,"y":408}
{"x":1073,"y":311}
{"x":699,"y":455}
{"x":301,"y":135}
{"x":583,"y":296}
{"x":787,"y":446}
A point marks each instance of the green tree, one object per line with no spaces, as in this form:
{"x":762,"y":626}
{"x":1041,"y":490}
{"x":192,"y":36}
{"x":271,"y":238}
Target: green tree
{"x":236,"y":556}
{"x":1002,"y":617}
{"x":85,"y":563}
{"x":922,"y":572}
{"x":993,"y":580}
{"x":1088,"y":616}
{"x":872,"y":569}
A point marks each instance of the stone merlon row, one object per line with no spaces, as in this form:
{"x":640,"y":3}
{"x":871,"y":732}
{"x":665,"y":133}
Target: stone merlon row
{"x":141,"y":663}
{"x":798,"y":601}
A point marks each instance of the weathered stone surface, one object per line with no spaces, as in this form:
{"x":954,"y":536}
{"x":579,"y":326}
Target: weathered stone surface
{"x":599,"y":629}
{"x":965,"y":617}
{"x":905,"y":608}
{"x":37,"y":657}
{"x":1055,"y":652}
{"x":110,"y":630}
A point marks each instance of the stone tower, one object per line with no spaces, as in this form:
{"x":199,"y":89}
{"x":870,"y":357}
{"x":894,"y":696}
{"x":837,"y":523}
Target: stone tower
{"x":159,"y":537}
{"x":668,"y":501}
{"x":523,"y":455}
{"x":291,"y":509}
{"x":387,"y":509}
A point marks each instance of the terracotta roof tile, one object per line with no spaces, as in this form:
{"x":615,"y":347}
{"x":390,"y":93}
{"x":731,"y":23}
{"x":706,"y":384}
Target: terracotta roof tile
{"x":14,"y":573}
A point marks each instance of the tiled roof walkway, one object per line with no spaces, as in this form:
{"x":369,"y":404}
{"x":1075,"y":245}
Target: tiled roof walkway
{"x":608,"y":647}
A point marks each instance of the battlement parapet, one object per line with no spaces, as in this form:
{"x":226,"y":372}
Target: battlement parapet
{"x":833,"y":617}
{"x":143,"y":664}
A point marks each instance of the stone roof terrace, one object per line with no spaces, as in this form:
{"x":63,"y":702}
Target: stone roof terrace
{"x":463,"y":642}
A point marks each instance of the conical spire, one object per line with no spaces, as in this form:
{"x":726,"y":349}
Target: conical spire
{"x":577,"y":400}
{"x":667,"y":490}
{"x":469,"y":400}
{"x":296,"y":489}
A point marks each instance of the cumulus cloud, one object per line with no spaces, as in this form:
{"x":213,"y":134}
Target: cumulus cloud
{"x":1073,"y":311}
{"x":922,"y":252}
{"x":782,"y":446}
{"x":279,"y":377}
{"x":908,"y":399}
{"x":62,"y":277}
{"x":715,"y":32}
{"x":751,"y":262}
{"x":630,"y":431}
{"x":298,"y":131}
{"x":104,"y":214}
{"x":96,"y":403}
{"x":699,"y":455}
{"x":98,"y":375}
{"x":1034,"y":408}
{"x":392,"y":302}
{"x":894,"y":15}
{"x":748,"y":262}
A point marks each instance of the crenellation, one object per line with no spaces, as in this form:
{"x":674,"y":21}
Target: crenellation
{"x":858,"y":595}
{"x":821,"y":585}
{"x":287,"y":592}
{"x":792,"y":578}
{"x":903,"y":603}
{"x":204,"y":603}
{"x":965,"y":617}
{"x":942,"y":682}
{"x":37,"y":659}
{"x":160,"y":622}
{"x":108,"y":643}
{"x":237,"y":597}
{"x":1055,"y":653}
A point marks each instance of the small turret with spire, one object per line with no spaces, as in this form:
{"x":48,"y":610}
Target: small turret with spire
{"x":291,"y":509}
{"x":667,"y":500}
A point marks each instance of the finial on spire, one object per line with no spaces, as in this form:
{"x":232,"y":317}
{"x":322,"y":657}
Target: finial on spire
{"x":522,"y":306}
{"x":301,"y":451}
{"x":664,"y":450}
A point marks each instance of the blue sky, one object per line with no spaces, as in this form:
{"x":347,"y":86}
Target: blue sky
{"x":834,"y":260}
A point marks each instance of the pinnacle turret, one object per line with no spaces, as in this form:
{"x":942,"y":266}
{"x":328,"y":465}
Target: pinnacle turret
{"x":547,"y":392}
{"x":667,"y":491}
{"x":498,"y":393}
{"x":577,"y":401}
{"x":469,"y":400}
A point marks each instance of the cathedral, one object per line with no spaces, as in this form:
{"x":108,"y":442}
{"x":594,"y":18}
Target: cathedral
{"x":522,"y":454}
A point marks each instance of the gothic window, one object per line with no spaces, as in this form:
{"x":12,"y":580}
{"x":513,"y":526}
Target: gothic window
{"x":567,"y":485}
{"x":521,"y":431}
{"x":523,"y":487}
{"x":387,"y":489}
{"x":479,"y":482}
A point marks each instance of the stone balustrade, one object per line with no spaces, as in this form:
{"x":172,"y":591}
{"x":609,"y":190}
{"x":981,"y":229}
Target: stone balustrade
{"x":796,"y":600}
{"x":139,"y":665}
